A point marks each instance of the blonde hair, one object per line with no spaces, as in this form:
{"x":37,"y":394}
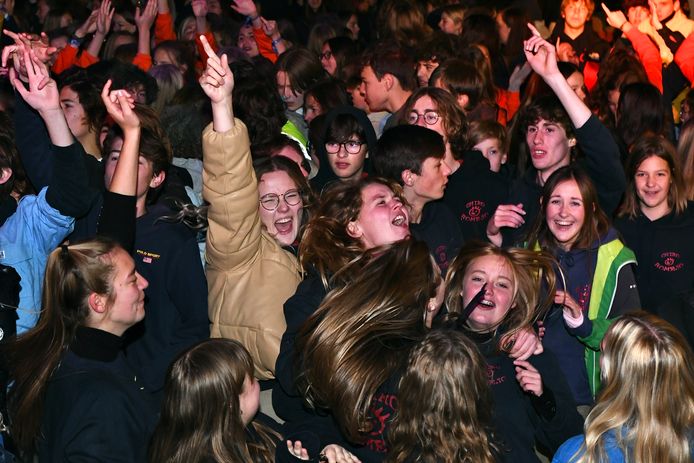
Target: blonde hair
{"x":531,"y":270}
{"x":647,"y":398}
{"x":447,"y":369}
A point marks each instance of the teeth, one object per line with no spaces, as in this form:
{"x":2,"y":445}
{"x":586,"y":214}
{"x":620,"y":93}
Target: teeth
{"x":285,"y":220}
{"x":487,"y":303}
{"x":563,"y":224}
{"x":399,"y":220}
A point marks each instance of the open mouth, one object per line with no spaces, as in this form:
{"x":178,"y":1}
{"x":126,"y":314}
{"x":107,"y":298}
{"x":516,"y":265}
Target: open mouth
{"x":486,"y":304}
{"x":400,"y":220}
{"x":284,"y":226}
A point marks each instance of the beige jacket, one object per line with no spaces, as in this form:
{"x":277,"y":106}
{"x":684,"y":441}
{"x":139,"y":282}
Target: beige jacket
{"x":249,"y":275}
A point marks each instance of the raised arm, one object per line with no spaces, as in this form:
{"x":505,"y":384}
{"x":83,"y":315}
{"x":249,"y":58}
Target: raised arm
{"x":218,"y":82}
{"x":144,"y":18}
{"x":542,"y":57}
{"x":103,"y":27}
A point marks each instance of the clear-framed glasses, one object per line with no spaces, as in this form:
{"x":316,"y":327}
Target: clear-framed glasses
{"x":351,"y":146}
{"x":327,"y":55}
{"x":430,"y":117}
{"x":271,"y":201}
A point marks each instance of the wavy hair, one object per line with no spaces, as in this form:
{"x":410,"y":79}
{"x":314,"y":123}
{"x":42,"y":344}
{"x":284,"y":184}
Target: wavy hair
{"x":595,"y":223}
{"x":201,"y":413}
{"x":326,"y":245}
{"x":647,"y":398}
{"x":447,"y":369}
{"x":454,"y":122}
{"x":72,"y":274}
{"x":362,"y":332}
{"x":533,"y":274}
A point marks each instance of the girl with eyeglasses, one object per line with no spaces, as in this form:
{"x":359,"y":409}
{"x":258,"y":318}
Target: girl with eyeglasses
{"x":346,"y":139}
{"x":254,"y":220}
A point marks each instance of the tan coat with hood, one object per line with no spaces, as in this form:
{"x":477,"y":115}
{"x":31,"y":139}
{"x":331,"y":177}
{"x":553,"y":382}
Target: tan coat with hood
{"x":249,"y":275}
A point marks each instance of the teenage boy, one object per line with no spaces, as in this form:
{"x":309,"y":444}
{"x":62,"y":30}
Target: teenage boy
{"x":413,"y":157}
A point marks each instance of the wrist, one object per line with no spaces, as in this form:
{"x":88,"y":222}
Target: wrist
{"x":51,"y":112}
{"x":79,"y":34}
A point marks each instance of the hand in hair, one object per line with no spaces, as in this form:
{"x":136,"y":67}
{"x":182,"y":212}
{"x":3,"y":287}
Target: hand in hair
{"x":297,"y":450}
{"x":528,"y":377}
{"x":525,"y":344}
{"x":334,"y":453}
{"x":506,"y":215}
{"x":120,"y":105}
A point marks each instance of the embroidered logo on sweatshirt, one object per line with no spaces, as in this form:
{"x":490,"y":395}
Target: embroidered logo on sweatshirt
{"x":382,"y":407}
{"x":669,"y":262}
{"x":475,"y":212}
{"x":148,"y":257}
{"x":492,"y":379}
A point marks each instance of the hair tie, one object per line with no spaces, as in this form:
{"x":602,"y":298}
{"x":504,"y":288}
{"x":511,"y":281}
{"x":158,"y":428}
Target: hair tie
{"x":64,"y":249}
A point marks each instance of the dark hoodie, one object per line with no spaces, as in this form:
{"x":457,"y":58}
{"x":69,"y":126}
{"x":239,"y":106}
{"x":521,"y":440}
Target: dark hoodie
{"x":578,"y":267}
{"x":325,"y":173}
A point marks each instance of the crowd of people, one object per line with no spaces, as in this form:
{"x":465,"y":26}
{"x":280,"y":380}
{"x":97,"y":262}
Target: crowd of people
{"x":346,"y":231}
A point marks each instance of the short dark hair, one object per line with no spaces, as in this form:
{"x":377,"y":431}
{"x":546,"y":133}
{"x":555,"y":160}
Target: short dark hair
{"x":302,"y":67}
{"x":406,"y":147}
{"x":388,"y":57}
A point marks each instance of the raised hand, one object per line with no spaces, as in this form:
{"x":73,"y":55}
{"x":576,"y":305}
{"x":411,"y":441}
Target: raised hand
{"x":39,"y":44}
{"x":217,"y":81}
{"x":104,"y":18}
{"x":616,"y":18}
{"x":120,"y":105}
{"x":528,"y":377}
{"x":200,"y":8}
{"x":270,"y":27}
{"x":654,"y":16}
{"x":42,"y":94}
{"x":145,"y":18}
{"x":88,"y":26}
{"x":541,"y":55}
{"x":245,"y":8}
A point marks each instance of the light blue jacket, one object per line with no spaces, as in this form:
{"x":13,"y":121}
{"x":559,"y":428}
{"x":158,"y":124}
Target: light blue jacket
{"x":26,"y":239}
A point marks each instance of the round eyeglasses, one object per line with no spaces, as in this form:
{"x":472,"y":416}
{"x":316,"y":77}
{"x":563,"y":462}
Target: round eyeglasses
{"x":271,"y":201}
{"x":430,"y":117}
{"x":351,"y":146}
{"x":327,"y":55}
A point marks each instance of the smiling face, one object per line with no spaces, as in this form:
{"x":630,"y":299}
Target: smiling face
{"x":293,"y":99}
{"x":284,"y":222}
{"x":566,"y":214}
{"x":382,"y":219}
{"x":127,"y":306}
{"x":499,"y":293}
{"x":549,"y":146}
{"x":652,"y":182}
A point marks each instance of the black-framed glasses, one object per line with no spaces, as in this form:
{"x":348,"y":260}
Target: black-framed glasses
{"x":430,"y":117}
{"x":327,"y":55}
{"x":351,"y":146}
{"x":271,"y":201}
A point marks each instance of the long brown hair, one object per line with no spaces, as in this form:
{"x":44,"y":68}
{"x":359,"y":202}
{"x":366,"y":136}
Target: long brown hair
{"x":447,"y":369}
{"x":201,"y":413}
{"x":533,"y":274}
{"x":595,"y":223}
{"x":644,"y":148}
{"x":647,"y":398}
{"x":72,"y":274}
{"x":326,"y":245}
{"x":362,"y":332}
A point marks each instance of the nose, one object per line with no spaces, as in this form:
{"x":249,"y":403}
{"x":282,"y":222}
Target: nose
{"x":445,"y":169}
{"x":282,"y":206}
{"x":650,"y":180}
{"x":342,"y":152}
{"x":562,"y":210}
{"x":538,"y":138}
{"x":142,"y":282}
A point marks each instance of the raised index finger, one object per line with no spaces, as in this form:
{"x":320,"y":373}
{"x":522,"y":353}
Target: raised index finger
{"x":534,"y":30}
{"x":208,"y":49}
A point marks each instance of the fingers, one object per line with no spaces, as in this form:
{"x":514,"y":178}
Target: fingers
{"x":208,"y":49}
{"x":534,"y":30}
{"x":6,"y":52}
{"x":528,"y":377}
